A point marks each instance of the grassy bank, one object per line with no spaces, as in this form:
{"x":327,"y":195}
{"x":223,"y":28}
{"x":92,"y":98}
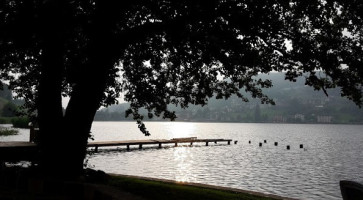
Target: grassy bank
{"x":158,"y":190}
{"x":25,"y":183}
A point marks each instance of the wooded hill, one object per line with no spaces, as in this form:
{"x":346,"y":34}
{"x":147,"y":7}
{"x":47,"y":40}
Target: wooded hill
{"x":295,"y":103}
{"x":8,"y":107}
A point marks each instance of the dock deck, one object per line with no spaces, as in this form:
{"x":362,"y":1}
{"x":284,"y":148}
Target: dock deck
{"x":158,"y":142}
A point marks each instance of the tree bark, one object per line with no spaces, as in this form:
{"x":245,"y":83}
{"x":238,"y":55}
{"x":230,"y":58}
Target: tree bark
{"x":49,"y":102}
{"x":63,"y":139}
{"x":89,"y":90}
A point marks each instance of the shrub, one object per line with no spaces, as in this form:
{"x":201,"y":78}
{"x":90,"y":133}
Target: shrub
{"x":5,"y":120}
{"x":20,"y":122}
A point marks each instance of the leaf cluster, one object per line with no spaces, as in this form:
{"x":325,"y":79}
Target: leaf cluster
{"x":184,"y":52}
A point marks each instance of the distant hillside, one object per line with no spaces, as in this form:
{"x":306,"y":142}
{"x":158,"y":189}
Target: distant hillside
{"x":8,"y":105}
{"x":2,"y":103}
{"x":295,"y":103}
{"x":5,"y":106}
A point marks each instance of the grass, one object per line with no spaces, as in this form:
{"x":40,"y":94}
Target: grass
{"x":8,"y":131}
{"x":13,"y":179}
{"x":159,"y":190}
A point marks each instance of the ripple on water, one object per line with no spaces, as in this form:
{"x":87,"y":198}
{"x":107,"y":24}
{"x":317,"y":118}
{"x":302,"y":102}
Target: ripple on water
{"x":331,"y":153}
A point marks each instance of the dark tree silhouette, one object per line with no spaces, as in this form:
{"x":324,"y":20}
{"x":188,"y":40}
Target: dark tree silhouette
{"x":165,"y":52}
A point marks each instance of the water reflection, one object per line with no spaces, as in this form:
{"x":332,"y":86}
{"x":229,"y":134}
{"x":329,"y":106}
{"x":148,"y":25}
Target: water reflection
{"x":333,"y":153}
{"x":184,"y":161}
{"x":180,"y":129}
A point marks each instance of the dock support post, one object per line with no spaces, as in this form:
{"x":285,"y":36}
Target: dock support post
{"x":176,"y":144}
{"x":260,"y":144}
{"x":191,"y":144}
{"x":206,"y":143}
{"x":229,"y":142}
{"x":159,"y":145}
{"x":140,"y":146}
{"x":215,"y":142}
{"x":235,"y":142}
{"x":96,"y":149}
{"x":128,"y":147}
{"x":288,"y":147}
{"x":301,"y":146}
{"x":276,"y":143}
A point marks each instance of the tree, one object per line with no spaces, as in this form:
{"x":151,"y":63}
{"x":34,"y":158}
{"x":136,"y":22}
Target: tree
{"x":9,"y":110}
{"x":165,"y":52}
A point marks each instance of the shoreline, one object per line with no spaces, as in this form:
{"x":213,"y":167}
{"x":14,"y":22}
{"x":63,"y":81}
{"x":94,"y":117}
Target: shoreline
{"x":230,"y":122}
{"x":100,"y":185}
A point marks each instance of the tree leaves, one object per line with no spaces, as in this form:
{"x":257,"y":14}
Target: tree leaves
{"x":183,"y":52}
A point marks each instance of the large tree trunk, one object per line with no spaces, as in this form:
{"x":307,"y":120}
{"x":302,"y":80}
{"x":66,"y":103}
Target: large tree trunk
{"x":49,"y":102}
{"x":81,"y":109}
{"x":88,"y":92}
{"x":63,"y":140}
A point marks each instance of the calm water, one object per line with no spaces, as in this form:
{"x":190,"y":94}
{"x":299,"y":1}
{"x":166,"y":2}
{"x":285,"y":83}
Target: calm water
{"x":331,"y":153}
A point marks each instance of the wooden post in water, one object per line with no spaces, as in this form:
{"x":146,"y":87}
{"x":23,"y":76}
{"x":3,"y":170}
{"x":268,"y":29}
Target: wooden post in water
{"x":276,"y":143}
{"x":235,"y":142}
{"x":288,"y":147}
{"x":96,"y":149}
{"x":191,"y":144}
{"x":159,"y":145}
{"x":229,"y":142}
{"x":249,"y":141}
{"x":128,"y":147}
{"x":140,"y":146}
{"x":176,"y":144}
{"x":215,"y":142}
{"x":260,"y":144}
{"x":265,"y":141}
{"x":301,"y":146}
{"x":206,"y":143}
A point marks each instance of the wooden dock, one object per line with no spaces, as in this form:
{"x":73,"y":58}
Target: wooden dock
{"x":160,"y":142}
{"x":15,"y":151}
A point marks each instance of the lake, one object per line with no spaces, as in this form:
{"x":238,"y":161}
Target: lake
{"x":330,"y":153}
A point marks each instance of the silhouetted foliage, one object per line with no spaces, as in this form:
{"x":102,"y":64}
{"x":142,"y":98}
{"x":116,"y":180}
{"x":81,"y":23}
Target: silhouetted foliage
{"x":162,"y":52}
{"x":20,"y":122}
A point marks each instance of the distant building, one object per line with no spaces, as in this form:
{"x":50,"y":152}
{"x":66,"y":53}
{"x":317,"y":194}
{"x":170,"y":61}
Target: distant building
{"x":324,"y":119}
{"x":279,"y":119}
{"x":300,"y":117}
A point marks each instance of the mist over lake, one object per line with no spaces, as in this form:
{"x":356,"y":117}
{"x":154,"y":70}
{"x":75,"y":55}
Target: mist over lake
{"x":330,"y":153}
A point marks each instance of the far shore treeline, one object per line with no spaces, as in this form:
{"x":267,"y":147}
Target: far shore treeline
{"x":295,"y":103}
{"x":10,"y":110}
